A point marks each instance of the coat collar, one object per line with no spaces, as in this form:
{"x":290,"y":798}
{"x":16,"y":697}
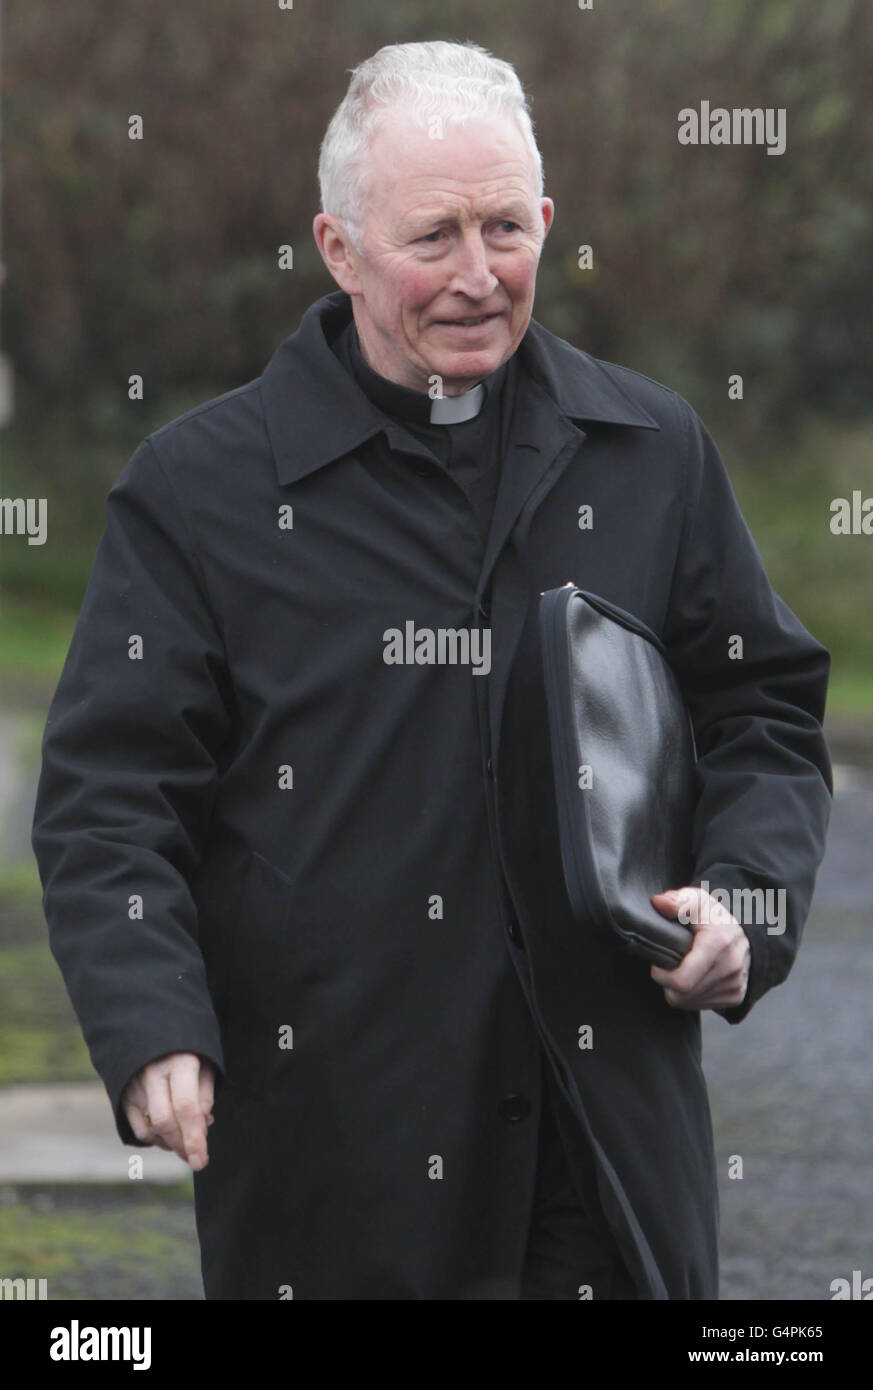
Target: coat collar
{"x":315,"y":412}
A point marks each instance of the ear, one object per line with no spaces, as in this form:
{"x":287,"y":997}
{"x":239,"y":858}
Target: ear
{"x":337,"y":252}
{"x":547,"y":208}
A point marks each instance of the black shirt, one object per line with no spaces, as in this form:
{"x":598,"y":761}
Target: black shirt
{"x":469,"y":451}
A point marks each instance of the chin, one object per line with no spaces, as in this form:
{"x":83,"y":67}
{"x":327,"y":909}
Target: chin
{"x":472,"y":363}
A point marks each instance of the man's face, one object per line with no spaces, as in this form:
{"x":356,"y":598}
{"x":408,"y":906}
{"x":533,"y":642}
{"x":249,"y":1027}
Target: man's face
{"x":444,"y":283}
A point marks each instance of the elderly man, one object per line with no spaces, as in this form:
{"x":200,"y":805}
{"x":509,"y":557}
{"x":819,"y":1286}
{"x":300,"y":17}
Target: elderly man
{"x":301,"y":866}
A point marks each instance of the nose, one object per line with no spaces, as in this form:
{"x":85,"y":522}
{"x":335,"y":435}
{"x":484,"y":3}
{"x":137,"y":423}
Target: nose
{"x":471,"y":273}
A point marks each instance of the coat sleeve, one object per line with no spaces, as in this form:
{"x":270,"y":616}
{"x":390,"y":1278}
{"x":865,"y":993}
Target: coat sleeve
{"x":128,"y":778}
{"x":764,"y":780}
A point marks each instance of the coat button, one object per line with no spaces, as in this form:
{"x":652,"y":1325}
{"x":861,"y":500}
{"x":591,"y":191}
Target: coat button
{"x":514,"y":1108}
{"x":489,"y":767}
{"x":514,"y":932}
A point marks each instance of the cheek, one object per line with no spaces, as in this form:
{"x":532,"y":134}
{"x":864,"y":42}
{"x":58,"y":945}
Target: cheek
{"x":520,"y":279}
{"x":416,"y":288}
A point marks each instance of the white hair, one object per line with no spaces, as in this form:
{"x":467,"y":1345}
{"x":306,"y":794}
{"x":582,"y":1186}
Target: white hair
{"x":433,"y":82}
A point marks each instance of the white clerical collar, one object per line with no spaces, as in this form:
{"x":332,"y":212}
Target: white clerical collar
{"x":403,"y":402}
{"x":452,"y":410}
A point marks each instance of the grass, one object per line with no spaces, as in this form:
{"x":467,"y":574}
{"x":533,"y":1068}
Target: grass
{"x":101,"y":1242}
{"x":34,"y":638}
{"x":39,"y":1034}
{"x":40,"y":1038}
{"x":20,"y":891}
{"x":826,"y":578}
{"x":850,"y":694}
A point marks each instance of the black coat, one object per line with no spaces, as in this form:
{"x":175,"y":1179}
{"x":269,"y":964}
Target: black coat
{"x":393,"y":899}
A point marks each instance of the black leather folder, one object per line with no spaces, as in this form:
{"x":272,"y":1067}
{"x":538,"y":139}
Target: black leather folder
{"x":623,"y":754}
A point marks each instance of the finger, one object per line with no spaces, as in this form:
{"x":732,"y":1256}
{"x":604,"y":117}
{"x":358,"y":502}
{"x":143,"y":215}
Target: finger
{"x":185,"y":1095}
{"x":156,"y":1142}
{"x":730,"y":989}
{"x":206,"y":1089}
{"x":135,"y":1090}
{"x":165,"y":1126}
{"x":723,"y":989}
{"x":729,"y":973}
{"x":731,"y":965}
{"x":666,"y":901}
{"x":141,"y":1125}
{"x":715,"y":977}
{"x":716,"y":1000}
{"x":138,"y":1122}
{"x":671,"y":902}
{"x":690,"y":971}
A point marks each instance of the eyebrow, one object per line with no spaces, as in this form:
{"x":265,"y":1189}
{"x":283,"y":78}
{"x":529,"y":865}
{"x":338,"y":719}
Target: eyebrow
{"x":419,"y":222}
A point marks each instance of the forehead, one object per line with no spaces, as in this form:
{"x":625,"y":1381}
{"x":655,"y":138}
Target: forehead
{"x":482,"y":161}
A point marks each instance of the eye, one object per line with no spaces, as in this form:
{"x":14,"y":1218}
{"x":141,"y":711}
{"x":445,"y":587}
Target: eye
{"x":432,"y":236}
{"x":508,"y":226}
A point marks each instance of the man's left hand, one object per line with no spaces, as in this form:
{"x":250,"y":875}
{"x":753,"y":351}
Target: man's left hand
{"x":715,"y":972}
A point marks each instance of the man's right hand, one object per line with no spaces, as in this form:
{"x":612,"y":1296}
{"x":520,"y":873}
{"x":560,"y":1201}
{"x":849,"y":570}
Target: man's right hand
{"x":169,"y":1103}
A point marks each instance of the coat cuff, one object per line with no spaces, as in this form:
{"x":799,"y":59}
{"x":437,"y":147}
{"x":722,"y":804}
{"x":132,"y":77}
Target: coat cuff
{"x":757,"y":984}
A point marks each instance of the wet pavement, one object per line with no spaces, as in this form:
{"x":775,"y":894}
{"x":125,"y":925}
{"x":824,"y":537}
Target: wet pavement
{"x":791,"y":1089}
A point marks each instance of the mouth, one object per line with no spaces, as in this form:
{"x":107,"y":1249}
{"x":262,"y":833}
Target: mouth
{"x":470,"y":322}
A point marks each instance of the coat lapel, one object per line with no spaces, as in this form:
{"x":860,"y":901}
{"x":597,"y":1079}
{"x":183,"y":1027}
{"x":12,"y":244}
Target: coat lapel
{"x":537,"y":453}
{"x":542,"y":442}
{"x":556,"y":386}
